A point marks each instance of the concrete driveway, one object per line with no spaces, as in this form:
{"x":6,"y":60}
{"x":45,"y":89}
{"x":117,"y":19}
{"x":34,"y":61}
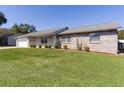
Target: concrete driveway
{"x":8,"y":47}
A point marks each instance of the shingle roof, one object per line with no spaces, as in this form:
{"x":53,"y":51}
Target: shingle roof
{"x":82,"y":29}
{"x":47,"y":32}
{"x":93,"y":28}
{"x":14,"y":35}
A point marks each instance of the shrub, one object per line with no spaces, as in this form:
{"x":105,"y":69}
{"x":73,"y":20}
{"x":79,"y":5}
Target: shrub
{"x":31,"y":46}
{"x":39,"y":46}
{"x":86,"y":48}
{"x":49,"y":46}
{"x":56,"y":45}
{"x":34,"y":46}
{"x":65,"y":46}
{"x":46,"y":46}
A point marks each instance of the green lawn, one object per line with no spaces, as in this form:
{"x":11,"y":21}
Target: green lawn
{"x":50,"y":67}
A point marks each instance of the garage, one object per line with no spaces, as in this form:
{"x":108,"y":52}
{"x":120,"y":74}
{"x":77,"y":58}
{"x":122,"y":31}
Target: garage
{"x":23,"y":42}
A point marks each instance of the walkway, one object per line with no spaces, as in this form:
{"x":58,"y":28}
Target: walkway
{"x":8,"y":47}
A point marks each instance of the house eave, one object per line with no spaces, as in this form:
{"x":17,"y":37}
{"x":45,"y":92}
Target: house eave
{"x":86,"y":32}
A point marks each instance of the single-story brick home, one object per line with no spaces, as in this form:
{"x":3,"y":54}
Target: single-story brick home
{"x":99,"y":37}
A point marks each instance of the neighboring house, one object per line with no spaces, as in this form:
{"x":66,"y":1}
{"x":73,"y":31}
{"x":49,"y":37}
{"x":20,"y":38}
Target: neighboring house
{"x":3,"y":40}
{"x":99,"y":37}
{"x":4,"y":33}
{"x":7,"y":37}
{"x":121,"y":45}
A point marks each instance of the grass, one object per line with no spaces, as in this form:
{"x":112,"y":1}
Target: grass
{"x":50,"y":67}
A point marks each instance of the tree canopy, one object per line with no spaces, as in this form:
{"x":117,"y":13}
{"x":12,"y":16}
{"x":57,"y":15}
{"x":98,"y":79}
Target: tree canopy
{"x":23,"y":28}
{"x":3,"y":20}
{"x":121,"y":34}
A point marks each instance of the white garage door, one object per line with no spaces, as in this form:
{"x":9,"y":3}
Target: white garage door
{"x":23,"y":42}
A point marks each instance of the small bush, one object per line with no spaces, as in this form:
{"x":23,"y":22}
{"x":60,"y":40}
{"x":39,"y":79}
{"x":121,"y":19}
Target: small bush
{"x":46,"y":46}
{"x":65,"y":46}
{"x":86,"y":48}
{"x":34,"y":46}
{"x":31,"y":46}
{"x":49,"y":46}
{"x":56,"y":45}
{"x":40,"y":46}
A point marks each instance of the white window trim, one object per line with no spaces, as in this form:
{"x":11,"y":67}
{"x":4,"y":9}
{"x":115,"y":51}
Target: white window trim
{"x":66,"y":41}
{"x":95,"y":40}
{"x":44,"y":42}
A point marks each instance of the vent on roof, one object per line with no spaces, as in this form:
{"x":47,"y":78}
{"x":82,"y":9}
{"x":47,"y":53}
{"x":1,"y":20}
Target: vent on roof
{"x":61,"y":30}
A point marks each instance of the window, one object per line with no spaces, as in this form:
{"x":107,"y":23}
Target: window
{"x":43,"y":40}
{"x":66,"y":39}
{"x":95,"y":36}
{"x":63,"y":39}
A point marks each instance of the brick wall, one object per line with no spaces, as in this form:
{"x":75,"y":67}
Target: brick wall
{"x":108,"y":42}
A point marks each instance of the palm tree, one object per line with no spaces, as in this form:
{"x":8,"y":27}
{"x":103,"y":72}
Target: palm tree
{"x":3,"y":20}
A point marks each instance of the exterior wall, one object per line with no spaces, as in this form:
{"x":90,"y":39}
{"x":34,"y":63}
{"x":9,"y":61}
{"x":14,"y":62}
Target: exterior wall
{"x":108,"y":42}
{"x":37,"y":41}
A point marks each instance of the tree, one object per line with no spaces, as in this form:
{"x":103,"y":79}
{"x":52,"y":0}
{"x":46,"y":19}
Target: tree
{"x":23,"y":28}
{"x":3,"y":20}
{"x":15,"y":29}
{"x":121,"y":34}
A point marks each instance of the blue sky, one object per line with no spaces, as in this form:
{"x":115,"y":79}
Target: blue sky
{"x":45,"y":17}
